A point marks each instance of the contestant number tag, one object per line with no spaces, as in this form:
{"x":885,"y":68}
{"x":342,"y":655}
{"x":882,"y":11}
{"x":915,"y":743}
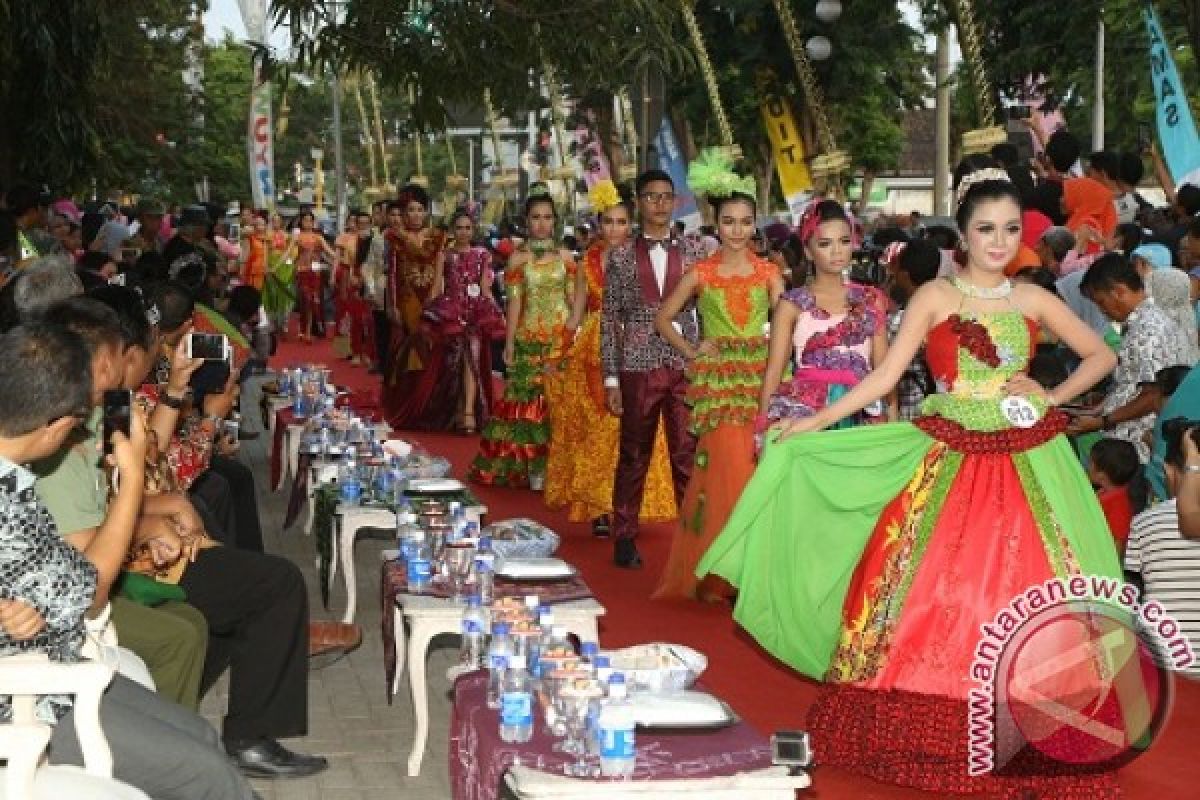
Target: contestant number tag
{"x":1019,"y":412}
{"x":473,"y":290}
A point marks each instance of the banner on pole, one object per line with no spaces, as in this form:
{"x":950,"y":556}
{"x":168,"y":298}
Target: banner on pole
{"x":1176,"y":126}
{"x":788,"y":148}
{"x":670,"y":159}
{"x":260,"y":146}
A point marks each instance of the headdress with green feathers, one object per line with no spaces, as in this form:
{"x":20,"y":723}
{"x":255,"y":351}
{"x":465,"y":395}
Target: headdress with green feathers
{"x":712,"y":175}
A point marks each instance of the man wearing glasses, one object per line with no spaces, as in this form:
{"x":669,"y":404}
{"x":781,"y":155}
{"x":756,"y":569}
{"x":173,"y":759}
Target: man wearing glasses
{"x":645,"y":379}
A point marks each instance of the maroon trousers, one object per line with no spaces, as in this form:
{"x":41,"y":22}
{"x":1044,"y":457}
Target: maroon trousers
{"x":645,"y":397}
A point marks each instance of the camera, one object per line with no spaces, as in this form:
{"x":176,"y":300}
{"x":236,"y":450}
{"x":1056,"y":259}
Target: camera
{"x":866,"y":266}
{"x":791,"y":749}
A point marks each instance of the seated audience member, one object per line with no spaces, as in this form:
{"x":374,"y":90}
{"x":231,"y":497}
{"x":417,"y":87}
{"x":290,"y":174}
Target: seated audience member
{"x":1178,"y":396}
{"x":1152,"y":341}
{"x":1128,"y":238}
{"x":95,"y":269}
{"x":1116,"y":475}
{"x":165,"y":750}
{"x":1149,"y":257}
{"x":255,"y":605}
{"x":1168,"y":560}
{"x":172,"y":636}
{"x":202,"y":456}
{"x":1047,"y":367}
{"x":43,"y":283}
{"x":1171,"y":290}
{"x":1054,"y":246}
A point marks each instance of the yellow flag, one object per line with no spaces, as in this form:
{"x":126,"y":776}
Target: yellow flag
{"x":794,"y":177}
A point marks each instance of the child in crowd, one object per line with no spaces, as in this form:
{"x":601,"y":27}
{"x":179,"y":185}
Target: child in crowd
{"x":1116,"y":475}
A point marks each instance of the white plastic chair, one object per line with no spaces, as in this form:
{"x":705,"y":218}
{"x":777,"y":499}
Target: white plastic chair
{"x":23,"y":742}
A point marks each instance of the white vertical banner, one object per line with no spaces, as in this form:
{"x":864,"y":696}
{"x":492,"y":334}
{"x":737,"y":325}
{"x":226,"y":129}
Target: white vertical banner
{"x":260,"y":148}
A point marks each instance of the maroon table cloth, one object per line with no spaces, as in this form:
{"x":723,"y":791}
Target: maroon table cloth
{"x":360,"y":402}
{"x":394,"y":582}
{"x":478,"y":759}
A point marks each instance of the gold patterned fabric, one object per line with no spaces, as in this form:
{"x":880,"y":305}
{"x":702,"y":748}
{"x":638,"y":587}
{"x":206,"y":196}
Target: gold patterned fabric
{"x":584,"y":435}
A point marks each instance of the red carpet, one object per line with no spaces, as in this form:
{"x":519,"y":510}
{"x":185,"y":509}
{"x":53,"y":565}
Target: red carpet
{"x":768,"y":695}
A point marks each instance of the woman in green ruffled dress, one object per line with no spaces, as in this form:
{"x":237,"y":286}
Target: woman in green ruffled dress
{"x":734,"y":290}
{"x":870,"y":557}
{"x":539,"y":283}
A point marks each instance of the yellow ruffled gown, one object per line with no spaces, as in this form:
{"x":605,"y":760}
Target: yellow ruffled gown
{"x":585,"y":436}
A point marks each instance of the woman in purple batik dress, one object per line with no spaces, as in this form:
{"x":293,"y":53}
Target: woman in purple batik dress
{"x":831,"y":333}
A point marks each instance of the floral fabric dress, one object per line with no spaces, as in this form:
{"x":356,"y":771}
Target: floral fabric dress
{"x":870,"y":557}
{"x":461,"y":324}
{"x":584,"y":439}
{"x":308,"y":278}
{"x":724,"y":396}
{"x":832,"y":352}
{"x":515,"y":440}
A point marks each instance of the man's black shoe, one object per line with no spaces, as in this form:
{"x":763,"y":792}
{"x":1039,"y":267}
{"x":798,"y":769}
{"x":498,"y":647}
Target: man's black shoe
{"x":625,"y":554}
{"x":267,"y":758}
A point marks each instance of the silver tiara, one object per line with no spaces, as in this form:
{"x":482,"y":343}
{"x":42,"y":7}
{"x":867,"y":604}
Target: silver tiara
{"x":979,"y":176}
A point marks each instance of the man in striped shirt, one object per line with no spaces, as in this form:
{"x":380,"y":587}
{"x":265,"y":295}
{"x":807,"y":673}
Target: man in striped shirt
{"x":1169,"y":561}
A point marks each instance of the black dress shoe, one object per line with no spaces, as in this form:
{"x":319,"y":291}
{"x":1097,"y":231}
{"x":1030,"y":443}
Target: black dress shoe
{"x":625,"y":554}
{"x":267,"y":758}
{"x":601,"y":528}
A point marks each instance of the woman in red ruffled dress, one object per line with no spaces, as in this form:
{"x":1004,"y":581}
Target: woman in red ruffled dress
{"x":870,"y":558}
{"x":461,"y":322}
{"x":308,"y":245}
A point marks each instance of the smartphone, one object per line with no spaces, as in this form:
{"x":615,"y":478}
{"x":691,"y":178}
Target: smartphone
{"x":791,"y":749}
{"x":117,"y":403}
{"x":209,"y":346}
{"x":231,"y":428}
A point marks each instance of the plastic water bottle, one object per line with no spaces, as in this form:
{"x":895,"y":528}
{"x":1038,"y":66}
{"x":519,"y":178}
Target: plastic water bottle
{"x":474,"y":628}
{"x":420,"y":570}
{"x":588,"y":652}
{"x":618,"y":754}
{"x":458,"y":522}
{"x":554,"y":638}
{"x":407,"y":533}
{"x":516,"y":703}
{"x":499,"y":651}
{"x":485,"y":580}
{"x":545,"y":618}
{"x":349,"y":485}
{"x":603,"y":673}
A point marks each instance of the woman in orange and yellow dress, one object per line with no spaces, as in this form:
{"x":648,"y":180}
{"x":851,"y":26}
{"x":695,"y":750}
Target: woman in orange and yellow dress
{"x":584,"y":434}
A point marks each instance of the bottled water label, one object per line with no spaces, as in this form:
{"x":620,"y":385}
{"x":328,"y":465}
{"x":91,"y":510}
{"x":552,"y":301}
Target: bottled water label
{"x":419,"y":571}
{"x":497,"y":662}
{"x":351,"y":491}
{"x":616,"y":743}
{"x":516,"y":709}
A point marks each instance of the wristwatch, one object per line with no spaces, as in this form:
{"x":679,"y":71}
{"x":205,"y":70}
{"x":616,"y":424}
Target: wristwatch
{"x":171,"y":402}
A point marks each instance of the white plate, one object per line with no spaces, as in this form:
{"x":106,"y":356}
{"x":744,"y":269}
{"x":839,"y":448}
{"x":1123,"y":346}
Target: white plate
{"x":681,"y":710}
{"x":534,"y":569}
{"x":434,"y":486}
{"x":397,"y":447}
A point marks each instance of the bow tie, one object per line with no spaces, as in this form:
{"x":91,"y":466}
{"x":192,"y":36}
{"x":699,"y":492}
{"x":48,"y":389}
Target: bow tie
{"x":656,"y":243}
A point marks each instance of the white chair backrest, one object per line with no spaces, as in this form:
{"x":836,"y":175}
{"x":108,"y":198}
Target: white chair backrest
{"x":26,"y":677}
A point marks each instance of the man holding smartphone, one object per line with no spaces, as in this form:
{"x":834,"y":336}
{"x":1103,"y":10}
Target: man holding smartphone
{"x":255,"y":605}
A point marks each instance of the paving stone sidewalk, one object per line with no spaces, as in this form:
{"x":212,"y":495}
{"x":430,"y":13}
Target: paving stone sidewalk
{"x":366,"y":740}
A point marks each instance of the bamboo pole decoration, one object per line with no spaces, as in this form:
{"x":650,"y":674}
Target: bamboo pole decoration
{"x":379,"y":137}
{"x":629,"y":139}
{"x":419,"y":177}
{"x":988,"y":133}
{"x":706,"y":68}
{"x":368,"y":136}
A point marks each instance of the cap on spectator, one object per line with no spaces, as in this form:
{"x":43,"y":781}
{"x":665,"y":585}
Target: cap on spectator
{"x":194,"y":215}
{"x":1156,"y":255}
